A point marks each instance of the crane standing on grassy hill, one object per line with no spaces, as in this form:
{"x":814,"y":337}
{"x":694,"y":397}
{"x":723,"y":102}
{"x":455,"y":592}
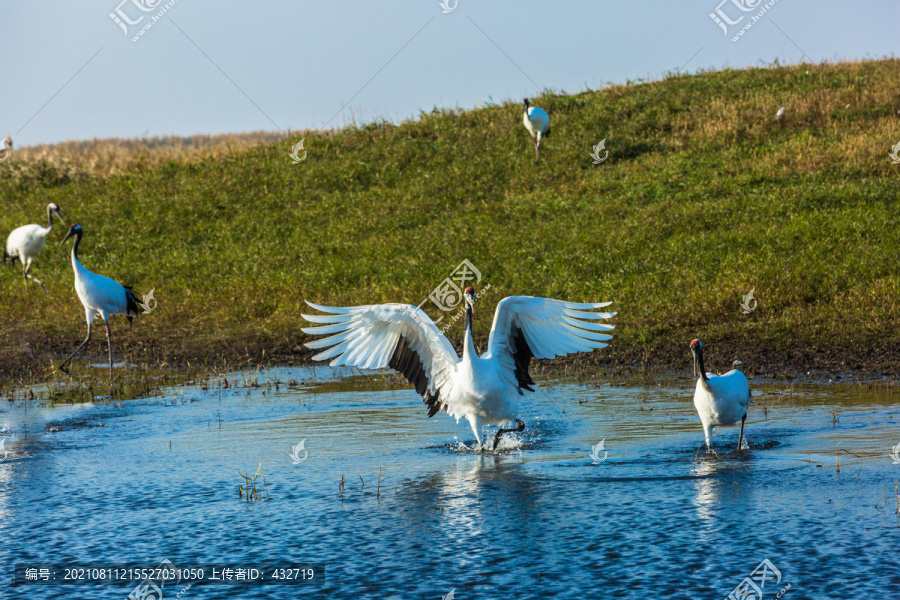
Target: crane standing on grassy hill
{"x":27,"y":241}
{"x":481,"y":388}
{"x":537,"y":122}
{"x":101,"y":296}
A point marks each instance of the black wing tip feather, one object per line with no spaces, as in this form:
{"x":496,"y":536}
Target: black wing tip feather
{"x":131,"y":304}
{"x":522,"y":354}
{"x":407,"y":362}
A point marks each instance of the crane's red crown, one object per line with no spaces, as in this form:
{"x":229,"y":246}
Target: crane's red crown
{"x":470,"y":290}
{"x":696,"y":343}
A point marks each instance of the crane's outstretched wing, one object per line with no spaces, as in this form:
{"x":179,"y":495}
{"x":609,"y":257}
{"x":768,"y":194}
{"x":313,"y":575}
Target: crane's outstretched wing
{"x":526,"y":327}
{"x":397,"y":336}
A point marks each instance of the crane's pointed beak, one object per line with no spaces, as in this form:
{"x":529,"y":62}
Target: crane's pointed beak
{"x":59,"y":214}
{"x":68,"y":235}
{"x":470,"y":301}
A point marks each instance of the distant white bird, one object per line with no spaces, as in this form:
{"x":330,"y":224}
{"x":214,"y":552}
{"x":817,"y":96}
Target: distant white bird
{"x":6,"y":147}
{"x":719,"y":399}
{"x":27,"y":241}
{"x":101,"y":296}
{"x":537,"y":122}
{"x":481,"y":389}
{"x":780,"y":114}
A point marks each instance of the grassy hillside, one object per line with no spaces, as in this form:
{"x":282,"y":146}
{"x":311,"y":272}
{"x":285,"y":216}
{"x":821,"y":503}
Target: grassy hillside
{"x":703,"y":197}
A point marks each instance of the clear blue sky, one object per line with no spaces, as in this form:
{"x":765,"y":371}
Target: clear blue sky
{"x":297,"y":62}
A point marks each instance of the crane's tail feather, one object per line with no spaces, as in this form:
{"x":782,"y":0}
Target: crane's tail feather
{"x":131,"y":304}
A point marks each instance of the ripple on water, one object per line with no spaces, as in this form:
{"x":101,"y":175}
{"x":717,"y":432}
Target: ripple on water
{"x":421,"y":511}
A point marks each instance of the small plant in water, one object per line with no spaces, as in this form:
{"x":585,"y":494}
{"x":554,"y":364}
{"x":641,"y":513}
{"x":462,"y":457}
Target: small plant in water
{"x":251,"y":490}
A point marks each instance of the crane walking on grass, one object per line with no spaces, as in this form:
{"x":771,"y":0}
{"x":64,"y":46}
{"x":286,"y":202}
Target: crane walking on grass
{"x":101,"y":296}
{"x":537,"y":122}
{"x":482,"y":389}
{"x":27,"y":241}
{"x":720,"y":400}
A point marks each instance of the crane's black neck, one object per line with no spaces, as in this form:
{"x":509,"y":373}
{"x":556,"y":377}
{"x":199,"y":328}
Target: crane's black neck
{"x":49,"y":218}
{"x":78,"y":235}
{"x":469,"y":343}
{"x":701,"y":366}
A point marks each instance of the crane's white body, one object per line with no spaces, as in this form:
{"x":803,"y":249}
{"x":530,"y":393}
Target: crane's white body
{"x":721,"y":400}
{"x":537,"y":122}
{"x":483,"y":389}
{"x":26,"y":242}
{"x":101,"y":296}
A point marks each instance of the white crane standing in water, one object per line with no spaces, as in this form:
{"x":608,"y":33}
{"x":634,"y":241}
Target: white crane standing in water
{"x":480,"y":388}
{"x":101,"y":296}
{"x":719,"y":399}
{"x":537,"y":122}
{"x":27,"y":241}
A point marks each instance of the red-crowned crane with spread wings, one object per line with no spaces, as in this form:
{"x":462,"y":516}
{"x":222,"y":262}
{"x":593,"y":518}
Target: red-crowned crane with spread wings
{"x":483,"y":389}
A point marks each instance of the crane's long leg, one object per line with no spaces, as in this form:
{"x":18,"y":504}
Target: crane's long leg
{"x":501,"y":431}
{"x":28,"y":276}
{"x":475,"y":422}
{"x":34,"y":279}
{"x":741,"y":437}
{"x":62,"y":367}
{"x":708,"y":434}
{"x":109,"y":348}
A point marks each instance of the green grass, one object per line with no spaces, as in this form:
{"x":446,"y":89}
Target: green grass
{"x":703,"y":197}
